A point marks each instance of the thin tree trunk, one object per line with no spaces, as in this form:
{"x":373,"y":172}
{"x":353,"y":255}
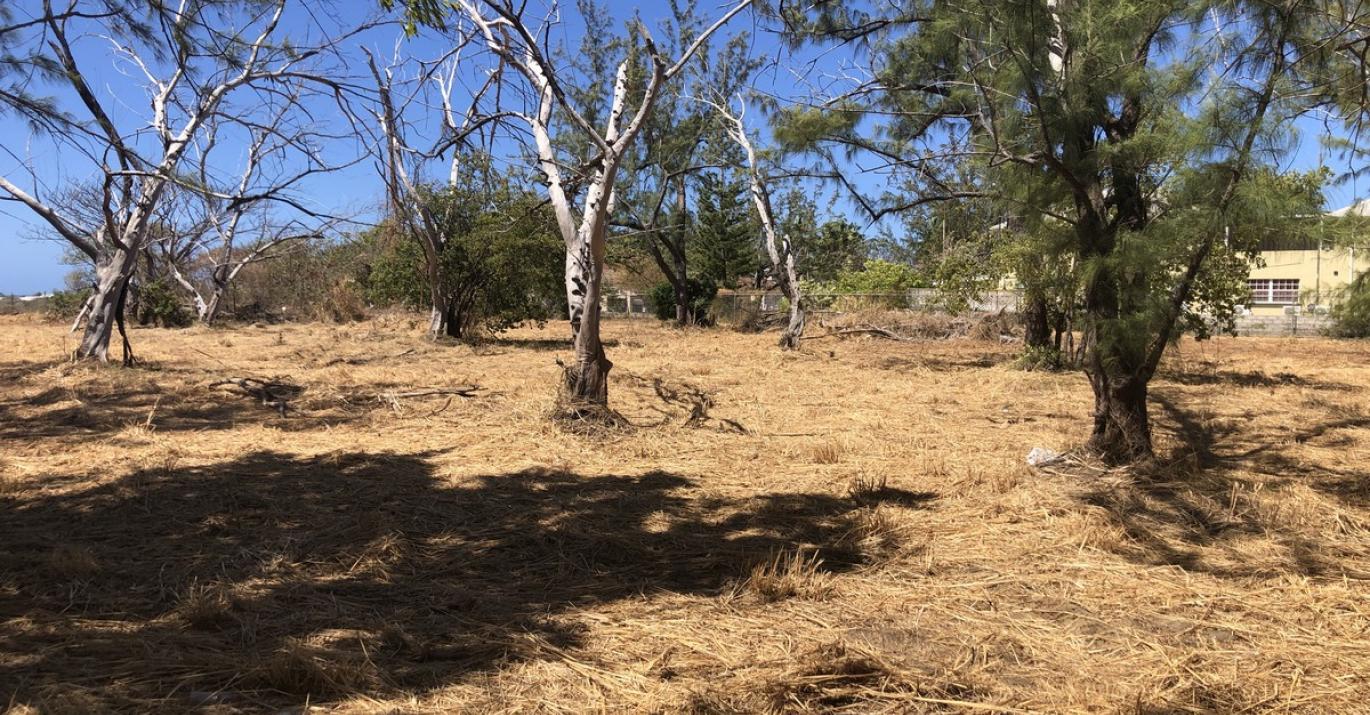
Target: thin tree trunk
{"x":684,"y":313}
{"x":789,"y":284}
{"x":682,"y":303}
{"x":210,"y":312}
{"x":441,"y":315}
{"x":81,"y":316}
{"x":110,"y":286}
{"x":778,"y":247}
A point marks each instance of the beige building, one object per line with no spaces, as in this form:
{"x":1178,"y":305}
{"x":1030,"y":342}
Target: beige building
{"x":1305,"y":277}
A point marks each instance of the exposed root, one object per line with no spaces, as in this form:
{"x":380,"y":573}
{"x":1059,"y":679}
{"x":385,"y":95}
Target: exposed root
{"x":589,"y":418}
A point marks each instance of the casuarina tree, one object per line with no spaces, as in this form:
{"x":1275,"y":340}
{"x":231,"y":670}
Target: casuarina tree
{"x":1136,"y":124}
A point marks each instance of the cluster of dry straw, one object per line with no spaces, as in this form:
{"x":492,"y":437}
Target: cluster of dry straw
{"x":849,"y":528}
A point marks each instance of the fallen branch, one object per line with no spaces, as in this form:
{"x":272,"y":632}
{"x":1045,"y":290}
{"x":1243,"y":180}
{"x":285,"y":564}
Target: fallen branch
{"x":862,"y":330}
{"x":362,"y":360}
{"x":273,"y":393}
{"x":393,"y":397}
{"x":460,"y":391}
{"x":698,"y":401}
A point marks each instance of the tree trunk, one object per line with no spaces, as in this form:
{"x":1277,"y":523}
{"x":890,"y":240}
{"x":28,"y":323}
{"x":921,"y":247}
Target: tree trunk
{"x":577,"y":283}
{"x":1122,"y":431}
{"x":209,"y":312}
{"x":684,"y":312}
{"x":682,"y":303}
{"x":442,"y":317}
{"x":1036,"y":323}
{"x":794,"y":331}
{"x":110,"y":286}
{"x":789,"y":284}
{"x":587,"y":380}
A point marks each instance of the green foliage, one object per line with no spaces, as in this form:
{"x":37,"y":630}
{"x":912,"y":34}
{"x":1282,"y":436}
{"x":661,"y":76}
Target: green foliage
{"x":397,"y":270}
{"x":700,"y":294}
{"x":836,"y":247}
{"x":1351,"y":315}
{"x":726,"y":247}
{"x":312,"y":281}
{"x":879,"y":283}
{"x":65,"y":304}
{"x":498,"y":265}
{"x":877,"y":276}
{"x":159,"y":303}
{"x":1040,"y":357}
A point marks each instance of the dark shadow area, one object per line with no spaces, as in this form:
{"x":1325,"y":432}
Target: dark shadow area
{"x":1191,"y":512}
{"x":267,"y":580}
{"x":94,"y":410}
{"x":11,"y":372}
{"x":941,"y":363}
{"x":543,"y":344}
{"x":1250,"y":378}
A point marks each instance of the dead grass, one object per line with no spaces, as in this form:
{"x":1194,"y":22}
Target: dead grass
{"x":849,"y":528}
{"x":798,"y":574}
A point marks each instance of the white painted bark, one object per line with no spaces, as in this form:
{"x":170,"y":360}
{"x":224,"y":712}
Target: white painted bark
{"x":141,"y":182}
{"x":507,"y":37}
{"x":778,"y":247}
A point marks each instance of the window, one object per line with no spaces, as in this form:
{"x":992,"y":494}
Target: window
{"x":1276,"y":291}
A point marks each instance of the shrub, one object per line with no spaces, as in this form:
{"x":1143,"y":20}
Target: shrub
{"x":876,"y":277}
{"x":1351,"y":317}
{"x":159,"y":304}
{"x":699,"y":292}
{"x":65,"y":304}
{"x":1040,"y":357}
{"x":499,"y":266}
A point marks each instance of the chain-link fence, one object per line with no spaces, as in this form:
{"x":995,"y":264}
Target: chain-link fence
{"x":628,"y":305}
{"x":742,"y":307}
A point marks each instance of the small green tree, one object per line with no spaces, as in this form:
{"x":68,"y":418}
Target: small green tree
{"x":701,"y":293}
{"x":837,"y":246}
{"x":725,"y":243}
{"x":498,"y":267}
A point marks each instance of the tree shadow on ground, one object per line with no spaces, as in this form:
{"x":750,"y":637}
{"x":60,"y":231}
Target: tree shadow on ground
{"x":1223,"y":498}
{"x":12,"y":372}
{"x":272,"y":580}
{"x":1249,"y":378}
{"x":87,"y":410}
{"x":544,"y":344}
{"x":945,"y":363}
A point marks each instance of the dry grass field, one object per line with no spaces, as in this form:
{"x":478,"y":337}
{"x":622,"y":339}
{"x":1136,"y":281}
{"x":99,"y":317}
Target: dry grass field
{"x":848,"y":529}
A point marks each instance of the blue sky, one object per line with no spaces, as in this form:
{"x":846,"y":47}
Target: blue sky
{"x":29,"y":266}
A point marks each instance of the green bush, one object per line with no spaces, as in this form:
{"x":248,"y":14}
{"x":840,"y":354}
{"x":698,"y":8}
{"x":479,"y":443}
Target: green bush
{"x":700,"y":293}
{"x":877,"y":277}
{"x":1043,"y":357}
{"x":159,"y":304}
{"x":498,"y":267}
{"x":1351,"y":317}
{"x":881,"y":285}
{"x":65,"y":304}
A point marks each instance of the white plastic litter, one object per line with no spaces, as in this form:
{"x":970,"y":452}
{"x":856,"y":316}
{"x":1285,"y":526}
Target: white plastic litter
{"x":1041,"y":457}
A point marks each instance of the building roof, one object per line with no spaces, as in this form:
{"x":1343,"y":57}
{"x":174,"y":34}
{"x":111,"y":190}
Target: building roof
{"x":1360,"y":208}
